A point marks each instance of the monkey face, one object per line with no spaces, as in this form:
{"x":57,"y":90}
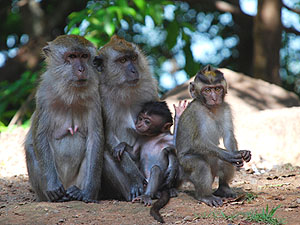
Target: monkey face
{"x":213,"y":95}
{"x":78,"y":61}
{"x":149,"y":125}
{"x":127,"y":63}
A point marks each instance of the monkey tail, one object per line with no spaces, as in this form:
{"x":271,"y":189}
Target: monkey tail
{"x":160,"y":203}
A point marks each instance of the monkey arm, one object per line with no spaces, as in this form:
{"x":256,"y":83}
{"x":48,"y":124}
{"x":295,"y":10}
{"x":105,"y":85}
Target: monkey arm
{"x":230,"y":142}
{"x":172,"y":171}
{"x":211,"y":149}
{"x":133,"y":151}
{"x":52,"y":187}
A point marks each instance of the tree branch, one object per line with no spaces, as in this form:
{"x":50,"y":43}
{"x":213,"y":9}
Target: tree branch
{"x":291,"y":9}
{"x":291,"y":30}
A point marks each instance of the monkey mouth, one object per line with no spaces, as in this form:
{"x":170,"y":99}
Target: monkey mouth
{"x":81,"y":82}
{"x":133,"y":82}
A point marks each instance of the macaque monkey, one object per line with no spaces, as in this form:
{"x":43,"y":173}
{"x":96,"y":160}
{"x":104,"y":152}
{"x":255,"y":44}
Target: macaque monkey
{"x":155,"y":154}
{"x":64,"y":146}
{"x":126,"y":84}
{"x":205,"y":121}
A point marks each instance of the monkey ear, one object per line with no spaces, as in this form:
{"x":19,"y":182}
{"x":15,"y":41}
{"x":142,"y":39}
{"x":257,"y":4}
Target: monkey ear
{"x":46,"y":50}
{"x":192,"y":89}
{"x":98,"y":63}
{"x":166,"y":127}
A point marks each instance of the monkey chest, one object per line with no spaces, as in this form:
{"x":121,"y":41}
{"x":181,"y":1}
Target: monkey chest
{"x":211,"y":129}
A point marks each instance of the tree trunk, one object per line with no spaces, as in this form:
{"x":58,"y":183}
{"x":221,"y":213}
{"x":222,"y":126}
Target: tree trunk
{"x":267,"y":40}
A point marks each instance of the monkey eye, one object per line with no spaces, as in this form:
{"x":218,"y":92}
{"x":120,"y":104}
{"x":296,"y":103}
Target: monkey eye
{"x":218,"y":89}
{"x":133,"y":58}
{"x":147,"y":122}
{"x":207,"y":90}
{"x":123,"y":60}
{"x":72,"y":56}
{"x":84,"y":56}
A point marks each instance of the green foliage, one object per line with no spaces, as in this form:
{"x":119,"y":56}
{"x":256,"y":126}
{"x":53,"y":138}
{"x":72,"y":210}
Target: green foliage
{"x":102,"y":19}
{"x":266,"y":216}
{"x":250,"y":197}
{"x":12,"y":95}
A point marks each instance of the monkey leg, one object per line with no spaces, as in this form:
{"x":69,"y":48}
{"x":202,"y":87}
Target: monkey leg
{"x":133,"y":174}
{"x":198,"y":171}
{"x":34,"y":172}
{"x":35,"y":178}
{"x":116,"y":178}
{"x":225,"y":173}
{"x":155,"y":181}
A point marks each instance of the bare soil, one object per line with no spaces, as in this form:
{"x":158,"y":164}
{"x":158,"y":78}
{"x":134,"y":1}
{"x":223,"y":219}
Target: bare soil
{"x":277,"y":187}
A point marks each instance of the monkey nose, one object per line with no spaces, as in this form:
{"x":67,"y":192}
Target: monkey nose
{"x":81,"y":69}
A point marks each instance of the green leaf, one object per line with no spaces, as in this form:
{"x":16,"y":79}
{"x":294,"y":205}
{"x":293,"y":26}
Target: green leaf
{"x":129,"y":11}
{"x":75,"y":30}
{"x":141,"y":4}
{"x":190,"y":26}
{"x":109,"y":27}
{"x":122,"y":3}
{"x":173,"y":32}
{"x":191,"y":67}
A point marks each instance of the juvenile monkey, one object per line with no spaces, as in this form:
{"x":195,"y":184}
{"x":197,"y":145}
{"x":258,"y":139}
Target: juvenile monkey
{"x":64,"y":146}
{"x":126,"y":84}
{"x":205,"y":121}
{"x":155,"y":154}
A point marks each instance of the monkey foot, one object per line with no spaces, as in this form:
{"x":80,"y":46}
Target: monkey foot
{"x":225,"y":192}
{"x":143,"y":199}
{"x":212,"y":201}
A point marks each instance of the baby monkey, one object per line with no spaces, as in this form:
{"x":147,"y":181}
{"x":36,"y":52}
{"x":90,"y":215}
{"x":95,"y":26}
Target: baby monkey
{"x":206,"y":121}
{"x":155,"y":154}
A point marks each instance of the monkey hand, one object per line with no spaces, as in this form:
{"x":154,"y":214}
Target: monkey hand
{"x":146,"y":199}
{"x":246,"y":155}
{"x":56,"y":194}
{"x":118,"y":150}
{"x":235,"y":158}
{"x":136,"y":190}
{"x":74,"y":193}
{"x":180,"y":108}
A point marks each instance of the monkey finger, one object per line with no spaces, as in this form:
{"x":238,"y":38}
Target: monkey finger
{"x":239,"y":164}
{"x":247,"y":158}
{"x":64,"y":199}
{"x":136,"y":199}
{"x":246,"y":155}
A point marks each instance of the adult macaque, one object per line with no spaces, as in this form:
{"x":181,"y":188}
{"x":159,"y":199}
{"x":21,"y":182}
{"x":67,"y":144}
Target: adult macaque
{"x":155,"y":154}
{"x":64,"y":146}
{"x":126,"y":84}
{"x":205,"y":121}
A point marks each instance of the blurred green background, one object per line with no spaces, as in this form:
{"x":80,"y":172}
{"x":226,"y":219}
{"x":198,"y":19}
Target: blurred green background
{"x":258,"y":38}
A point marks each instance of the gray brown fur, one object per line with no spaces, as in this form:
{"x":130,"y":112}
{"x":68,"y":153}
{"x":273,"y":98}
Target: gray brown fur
{"x":200,"y":129}
{"x":121,"y":104}
{"x":57,"y":160}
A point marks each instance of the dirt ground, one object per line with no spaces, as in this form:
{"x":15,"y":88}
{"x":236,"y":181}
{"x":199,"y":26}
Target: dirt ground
{"x":276,"y":188}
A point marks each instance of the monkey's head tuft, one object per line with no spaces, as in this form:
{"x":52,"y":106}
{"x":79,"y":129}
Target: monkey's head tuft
{"x":210,"y":76}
